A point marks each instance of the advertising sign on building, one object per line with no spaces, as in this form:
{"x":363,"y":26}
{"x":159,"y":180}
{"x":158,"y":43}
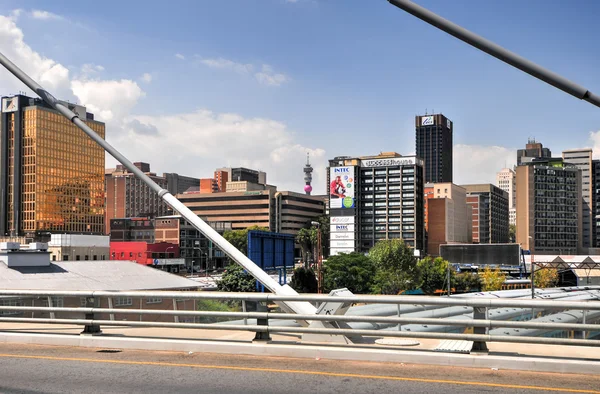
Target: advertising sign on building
{"x":427,"y":121}
{"x":400,"y":161}
{"x":10,"y":104}
{"x":342,"y":244}
{"x":448,"y":123}
{"x":342,"y":236}
{"x":341,"y":228}
{"x":342,"y":220}
{"x":336,"y":251}
{"x":341,"y":187}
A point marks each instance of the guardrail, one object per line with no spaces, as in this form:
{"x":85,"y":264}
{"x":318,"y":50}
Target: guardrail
{"x":266,"y":321}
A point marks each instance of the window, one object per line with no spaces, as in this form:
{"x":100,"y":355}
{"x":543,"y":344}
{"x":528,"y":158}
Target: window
{"x":65,"y":257}
{"x":153,"y":300}
{"x":53,"y":257}
{"x":57,"y":302}
{"x":86,"y":257}
{"x":11,"y":302}
{"x":77,"y":257}
{"x":123,"y":301}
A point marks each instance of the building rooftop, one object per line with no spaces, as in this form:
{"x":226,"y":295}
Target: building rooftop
{"x":107,"y":275}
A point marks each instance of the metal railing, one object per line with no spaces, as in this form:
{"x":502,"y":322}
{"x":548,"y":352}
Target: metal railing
{"x":266,"y":321}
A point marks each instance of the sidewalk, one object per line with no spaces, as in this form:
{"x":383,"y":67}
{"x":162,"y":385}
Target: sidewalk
{"x":546,"y":358}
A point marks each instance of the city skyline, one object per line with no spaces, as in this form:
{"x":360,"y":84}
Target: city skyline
{"x":189,"y":101}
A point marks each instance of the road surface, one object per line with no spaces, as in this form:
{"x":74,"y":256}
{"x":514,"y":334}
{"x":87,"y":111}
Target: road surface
{"x":46,"y":369}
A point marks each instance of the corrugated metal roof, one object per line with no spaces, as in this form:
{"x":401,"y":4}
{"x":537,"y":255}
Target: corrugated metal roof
{"x":109,"y":275}
{"x":587,"y":273}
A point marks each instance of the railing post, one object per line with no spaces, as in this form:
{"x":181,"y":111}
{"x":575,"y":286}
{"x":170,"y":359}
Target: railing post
{"x":244,"y":310}
{"x":580,"y":334}
{"x":480,"y":314}
{"x":91,"y":329}
{"x":262,"y":336}
{"x":51,"y":305}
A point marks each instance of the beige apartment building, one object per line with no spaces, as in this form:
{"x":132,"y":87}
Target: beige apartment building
{"x":449,"y":217}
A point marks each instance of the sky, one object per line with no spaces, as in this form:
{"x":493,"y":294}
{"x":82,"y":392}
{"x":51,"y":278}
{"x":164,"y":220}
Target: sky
{"x":190,"y":86}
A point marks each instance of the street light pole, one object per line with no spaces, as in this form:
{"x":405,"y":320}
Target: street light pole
{"x":319,"y":257}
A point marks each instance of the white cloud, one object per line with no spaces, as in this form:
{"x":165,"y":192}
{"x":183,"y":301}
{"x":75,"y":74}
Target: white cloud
{"x":228,"y":65}
{"x":45,"y":15}
{"x":595,"y":140}
{"x":110,"y":100}
{"x":196,"y":143}
{"x":15,"y":14}
{"x":88,"y":70}
{"x":479,"y":164}
{"x":269,"y":77}
{"x":50,"y":74}
{"x":179,"y":56}
{"x":146,"y":77}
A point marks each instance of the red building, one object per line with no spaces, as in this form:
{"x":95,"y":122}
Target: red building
{"x":143,"y":252}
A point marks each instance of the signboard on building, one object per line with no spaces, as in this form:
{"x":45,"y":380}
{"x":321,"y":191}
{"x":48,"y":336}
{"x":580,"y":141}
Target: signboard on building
{"x":339,"y":236}
{"x":481,"y":254}
{"x":10,"y":104}
{"x":271,"y":250}
{"x":448,"y":123}
{"x":341,"y":187}
{"x":341,"y":228}
{"x":400,"y":161}
{"x":427,"y":121}
{"x":336,"y":251}
{"x":341,"y":244}
{"x":342,"y":220}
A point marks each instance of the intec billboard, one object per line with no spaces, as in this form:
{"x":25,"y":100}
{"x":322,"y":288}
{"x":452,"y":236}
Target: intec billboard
{"x":341,"y":187}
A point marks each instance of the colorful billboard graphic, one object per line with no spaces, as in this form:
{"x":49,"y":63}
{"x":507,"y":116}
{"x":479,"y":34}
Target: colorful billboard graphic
{"x":341,"y":187}
{"x":342,"y":220}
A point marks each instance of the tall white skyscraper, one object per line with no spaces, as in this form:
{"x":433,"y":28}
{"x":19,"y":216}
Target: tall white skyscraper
{"x":582,"y":158}
{"x":507,"y":181}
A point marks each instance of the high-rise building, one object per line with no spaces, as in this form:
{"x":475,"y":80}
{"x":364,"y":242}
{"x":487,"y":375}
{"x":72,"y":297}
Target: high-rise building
{"x":244,"y":174}
{"x":533,"y":150}
{"x":434,"y":146}
{"x":128,"y":196}
{"x":373,"y":198}
{"x":490,"y":213}
{"x":596,"y":203}
{"x":221,"y":177}
{"x":178,"y":183}
{"x":450,"y":217}
{"x":549,"y":207}
{"x":582,"y":159}
{"x":50,"y":171}
{"x":209,"y":185}
{"x":507,"y":181}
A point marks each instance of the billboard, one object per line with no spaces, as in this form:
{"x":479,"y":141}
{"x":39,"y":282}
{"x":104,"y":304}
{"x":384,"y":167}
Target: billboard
{"x":271,"y":250}
{"x":341,"y":228}
{"x":427,"y":121}
{"x":340,"y":236}
{"x":336,"y":251}
{"x":341,"y":187}
{"x":342,"y":244}
{"x":481,"y":254}
{"x":400,"y":161}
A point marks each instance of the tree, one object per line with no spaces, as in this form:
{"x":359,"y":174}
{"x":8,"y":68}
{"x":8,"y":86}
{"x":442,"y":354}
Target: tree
{"x":545,"y":277}
{"x":512,"y":233}
{"x":433,"y":274}
{"x":239,"y":238}
{"x":304,"y":280}
{"x":492,"y":280}
{"x":466,"y":282}
{"x":236,"y":279}
{"x":395,"y":267}
{"x":307,"y":238}
{"x":353,"y":271}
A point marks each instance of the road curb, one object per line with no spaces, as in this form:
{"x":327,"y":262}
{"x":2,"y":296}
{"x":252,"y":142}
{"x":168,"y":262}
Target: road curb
{"x":512,"y":362}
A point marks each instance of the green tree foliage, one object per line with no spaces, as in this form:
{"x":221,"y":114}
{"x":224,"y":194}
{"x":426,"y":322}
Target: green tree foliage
{"x":492,"y":280}
{"x":213,"y":306}
{"x":307,"y":238}
{"x":545,"y":277}
{"x":433,"y":274}
{"x":354,"y":271}
{"x":236,"y":279}
{"x":239,"y":238}
{"x":466,"y":282}
{"x":395,"y":267}
{"x":512,"y":233}
{"x":304,"y":280}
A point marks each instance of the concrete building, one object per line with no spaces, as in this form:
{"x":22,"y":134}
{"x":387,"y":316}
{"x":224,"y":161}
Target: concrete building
{"x":596,"y":202}
{"x":507,"y":181}
{"x":450,"y":217}
{"x":245,"y":186}
{"x":533,"y":150}
{"x":79,"y":247}
{"x":243,"y":174}
{"x":434,"y":146}
{"x":490,"y":213}
{"x":161,"y":255}
{"x":549,"y":206}
{"x":222,"y":177}
{"x":278,"y":211}
{"x":582,"y":159}
{"x":178,"y":183}
{"x":128,"y":196}
{"x":373,"y":198}
{"x":194,"y":248}
{"x":50,"y":171}
{"x":208,"y":185}
{"x":132,"y":229}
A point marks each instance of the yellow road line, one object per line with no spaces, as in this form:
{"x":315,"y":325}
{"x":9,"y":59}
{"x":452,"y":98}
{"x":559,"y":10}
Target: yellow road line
{"x":303,"y":372}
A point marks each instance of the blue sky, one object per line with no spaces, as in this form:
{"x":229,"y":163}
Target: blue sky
{"x":193,"y":85}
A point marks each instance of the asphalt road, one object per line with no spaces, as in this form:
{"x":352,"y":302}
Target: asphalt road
{"x":45,"y":369}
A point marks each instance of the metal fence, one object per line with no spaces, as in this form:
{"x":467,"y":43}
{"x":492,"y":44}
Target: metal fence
{"x":270,"y":322}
